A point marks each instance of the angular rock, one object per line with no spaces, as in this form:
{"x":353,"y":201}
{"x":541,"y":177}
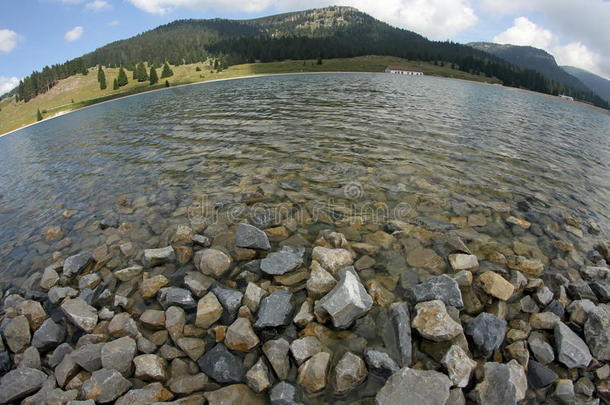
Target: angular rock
{"x":496,"y":286}
{"x":150,"y":367}
{"x":19,"y":383}
{"x":89,"y":356}
{"x":193,"y":347}
{"x":543,"y":320}
{"x":349,"y":373}
{"x":156,"y":257}
{"x":149,"y":394}
{"x":49,"y":278}
{"x":320,"y":281}
{"x":401,"y":332}
{"x":240,"y":336}
{"x":30,"y":358}
{"x":65,"y":370}
{"x":305,"y":314}
{"x":277,"y":354}
{"x":209,"y":311}
{"x":257,"y":377}
{"x":304,"y":348}
{"x":253,"y":296}
{"x":424,"y":258}
{"x":540,"y":348}
{"x":572,"y":351}
{"x":538,"y":375}
{"x":503,"y":384}
{"x":154,"y":319}
{"x":74,"y":265}
{"x":230,"y":300}
{"x":33,"y":311}
{"x":332,"y":259}
{"x":118,"y":354}
{"x":460,"y":261}
{"x":409,"y":386}
{"x":80,"y":313}
{"x":283,"y":261}
{"x":222,"y":366}
{"x":122,"y":324}
{"x":128,"y":273}
{"x":17,"y":334}
{"x":312,"y":373}
{"x":532,"y":268}
{"x":105,"y":385}
{"x":151,"y":285}
{"x":198,"y":283}
{"x":458,"y":365}
{"x":175,"y":320}
{"x":379,"y":362}
{"x":486,"y":331}
{"x":434,"y":323}
{"x":597,"y":332}
{"x":275,"y":310}
{"x":187,"y":384}
{"x":236,"y":394}
{"x":347,"y":301}
{"x":250,"y":237}
{"x":284,"y":393}
{"x":176,"y":296}
{"x":442,"y":288}
{"x":213,"y":262}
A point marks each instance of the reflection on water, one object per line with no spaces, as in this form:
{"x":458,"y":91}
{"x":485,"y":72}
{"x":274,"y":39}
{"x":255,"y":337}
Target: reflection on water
{"x":445,"y":149}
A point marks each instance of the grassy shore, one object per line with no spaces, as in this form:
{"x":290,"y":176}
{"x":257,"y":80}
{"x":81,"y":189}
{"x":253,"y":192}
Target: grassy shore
{"x":83,"y":90}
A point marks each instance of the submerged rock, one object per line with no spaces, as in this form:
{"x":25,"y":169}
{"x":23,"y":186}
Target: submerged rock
{"x":149,"y":394}
{"x":350,"y":372}
{"x":320,"y":281}
{"x":284,"y":393}
{"x":347,"y":301}
{"x":312,"y":373}
{"x":442,"y":288}
{"x":74,"y":265}
{"x":287,"y":259}
{"x":275,"y":310}
{"x":156,"y":257}
{"x":250,"y":237}
{"x":401,"y":328}
{"x":222,"y":366}
{"x":597,"y":332}
{"x":409,"y":386}
{"x":213,"y":262}
{"x":236,"y":394}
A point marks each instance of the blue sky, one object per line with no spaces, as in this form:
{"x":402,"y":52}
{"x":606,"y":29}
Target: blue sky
{"x":35,"y":33}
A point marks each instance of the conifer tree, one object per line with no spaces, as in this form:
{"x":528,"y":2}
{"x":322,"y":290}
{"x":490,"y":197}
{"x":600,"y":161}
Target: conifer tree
{"x":122,"y":78}
{"x":141,"y":73}
{"x":167,"y":83}
{"x":101,"y":77}
{"x":38,"y":115}
{"x":153,"y":76}
{"x":115,"y":84}
{"x":100,"y":72}
{"x":167,"y":71}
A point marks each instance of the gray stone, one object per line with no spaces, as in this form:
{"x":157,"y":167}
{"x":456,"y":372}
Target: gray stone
{"x":176,"y":296}
{"x":193,"y":347}
{"x":222,"y":366}
{"x":56,"y":294}
{"x":409,"y":386}
{"x":66,"y":370}
{"x":74,"y":265}
{"x":379,"y":362}
{"x":283,"y":261}
{"x":275,"y":310}
{"x":487,"y":332}
{"x":17,"y":333}
{"x":250,"y":237}
{"x":187,"y":384}
{"x":89,"y":356}
{"x":540,"y":348}
{"x":253,"y":296}
{"x":257,"y":377}
{"x":209,"y":310}
{"x":150,"y":367}
{"x":118,"y":354}
{"x":572,"y":351}
{"x":153,"y":318}
{"x":442,"y":288}
{"x":320,"y":281}
{"x":213,"y":262}
{"x":458,"y":365}
{"x":80,"y":313}
{"x":198,"y":283}
{"x":347,"y":301}
{"x":350,"y":372}
{"x":305,"y":347}
{"x":401,"y":332}
{"x":433,"y":322}
{"x":230,"y":300}
{"x":89,"y":281}
{"x":236,"y":394}
{"x":201,"y":240}
{"x":58,"y":354}
{"x":149,"y":394}
{"x":332,"y":259}
{"x":539,"y":375}
{"x":564,"y":392}
{"x":277,"y":354}
{"x":528,"y":305}
{"x":597,"y":332}
{"x":156,"y":257}
{"x":240,"y":336}
{"x":128,"y":273}
{"x":503,"y":384}
{"x":175,"y":320}
{"x":105,"y":385}
{"x":312,"y":373}
{"x":284,"y":393}
{"x":49,"y":278}
{"x":19,"y":383}
{"x":31,"y":358}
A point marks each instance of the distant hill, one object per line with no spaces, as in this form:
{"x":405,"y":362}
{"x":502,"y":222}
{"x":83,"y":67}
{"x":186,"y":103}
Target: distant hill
{"x":528,"y":57}
{"x":326,"y":33}
{"x":594,"y":82}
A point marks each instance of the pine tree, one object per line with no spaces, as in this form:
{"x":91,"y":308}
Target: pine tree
{"x":122,"y":79}
{"x":115,"y":84}
{"x":319,"y":61}
{"x":141,"y":73}
{"x":153,"y":76}
{"x":38,"y":116}
{"x":101,"y":78}
{"x":167,"y":83}
{"x":100,"y":72}
{"x":167,"y":71}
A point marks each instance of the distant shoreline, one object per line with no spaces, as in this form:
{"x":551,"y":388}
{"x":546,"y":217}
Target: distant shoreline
{"x":63,"y":113}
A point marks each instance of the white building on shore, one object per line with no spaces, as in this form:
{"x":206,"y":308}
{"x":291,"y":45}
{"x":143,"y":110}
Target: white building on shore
{"x":404,"y":70}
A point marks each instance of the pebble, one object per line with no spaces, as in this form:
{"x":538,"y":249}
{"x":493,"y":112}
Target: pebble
{"x":157,"y":257}
{"x":461,"y":261}
{"x":213,"y":262}
{"x":240,"y":336}
{"x":209,"y":311}
{"x":496,"y":286}
{"x":349,"y":372}
{"x":283,"y":261}
{"x":312,"y":375}
{"x":250,"y":237}
{"x":434,"y":323}
{"x":105,"y":385}
{"x":410,"y":386}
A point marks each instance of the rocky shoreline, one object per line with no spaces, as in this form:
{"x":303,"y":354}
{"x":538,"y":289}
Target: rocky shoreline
{"x":241,"y":314}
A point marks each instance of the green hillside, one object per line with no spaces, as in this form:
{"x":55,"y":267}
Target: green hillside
{"x":594,"y":82}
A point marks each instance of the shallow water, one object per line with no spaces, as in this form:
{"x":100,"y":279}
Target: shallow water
{"x":421,"y":150}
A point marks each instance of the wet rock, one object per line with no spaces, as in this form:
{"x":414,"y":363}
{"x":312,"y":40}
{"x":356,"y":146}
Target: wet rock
{"x":350,"y":372}
{"x":221,"y":365}
{"x":156,"y":257}
{"x":49,"y":278}
{"x":503,"y":384}
{"x":401,"y":332}
{"x":320,"y":281}
{"x":193,"y":347}
{"x":532,"y":268}
{"x":198,"y":283}
{"x":332,"y":259}
{"x":237,"y":394}
{"x":19,"y":383}
{"x":17,"y":334}
{"x":74,"y":265}
{"x":460,"y":261}
{"x":434,"y":323}
{"x":250,"y":237}
{"x":80,"y":313}
{"x":597,"y":332}
{"x":442,"y":288}
{"x":305,"y":314}
{"x":33,"y":311}
{"x":174,"y":296}
{"x":128,"y":273}
{"x":148,"y":394}
{"x":458,"y":365}
{"x":123,"y":325}
{"x":240,"y":336}
{"x":201,"y":240}
{"x":275,"y":310}
{"x":312,"y":373}
{"x":257,"y":377}
{"x":213,"y":262}
{"x":283,"y":261}
{"x":496,"y":286}
{"x":89,"y":356}
{"x":486,"y":331}
{"x":409,"y":386}
{"x":538,"y":375}
{"x":347,"y":301}
{"x":151,"y":285}
{"x":230,"y":300}
{"x":284,"y":393}
{"x":209,"y":310}
{"x":253,"y":296}
{"x":424,"y":258}
{"x":380,"y":362}
{"x":175,"y":320}
{"x":277,"y":354}
{"x":150,"y":367}
{"x":118,"y":354}
{"x":187,"y":384}
{"x":304,"y":348}
{"x":56,"y":294}
{"x":571,"y":350}
{"x":540,"y":348}
{"x":153,"y":319}
{"x":105,"y":385}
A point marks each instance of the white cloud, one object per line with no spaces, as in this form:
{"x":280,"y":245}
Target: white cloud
{"x":7,"y":84}
{"x":8,"y":40}
{"x":525,"y":32}
{"x":74,"y":34}
{"x":98,"y":5}
{"x":577,"y":54}
{"x":166,"y":6}
{"x":114,"y":23}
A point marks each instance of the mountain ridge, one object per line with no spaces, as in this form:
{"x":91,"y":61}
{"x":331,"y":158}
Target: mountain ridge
{"x":596,"y":83}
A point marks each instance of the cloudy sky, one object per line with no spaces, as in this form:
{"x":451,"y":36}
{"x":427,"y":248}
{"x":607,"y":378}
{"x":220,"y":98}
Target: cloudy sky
{"x":34,"y":33}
